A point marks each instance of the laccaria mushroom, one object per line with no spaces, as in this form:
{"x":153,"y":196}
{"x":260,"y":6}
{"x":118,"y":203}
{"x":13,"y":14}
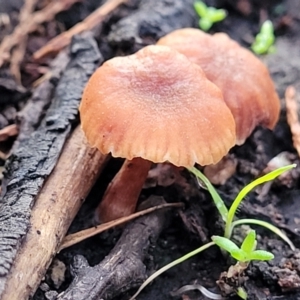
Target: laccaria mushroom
{"x":153,"y":106}
{"x":244,"y":80}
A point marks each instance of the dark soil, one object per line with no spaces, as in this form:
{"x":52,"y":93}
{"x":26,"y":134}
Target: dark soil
{"x":188,"y":229}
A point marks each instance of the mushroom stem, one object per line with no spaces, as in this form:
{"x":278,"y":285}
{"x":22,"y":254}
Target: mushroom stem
{"x":122,"y":194}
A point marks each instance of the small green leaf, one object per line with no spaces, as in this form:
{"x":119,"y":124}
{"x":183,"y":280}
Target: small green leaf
{"x":265,"y":39}
{"x":200,"y":8}
{"x":248,"y":188}
{"x":242,"y":293}
{"x":213,"y":192}
{"x":261,"y":255}
{"x":216,"y":15}
{"x":268,"y":226}
{"x":267,"y":28}
{"x":225,"y":243}
{"x":240,"y":255}
{"x":249,"y":242}
{"x":208,"y":15}
{"x":205,"y":24}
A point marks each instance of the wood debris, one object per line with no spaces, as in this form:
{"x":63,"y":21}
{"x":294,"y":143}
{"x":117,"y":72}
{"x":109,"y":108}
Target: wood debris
{"x":32,"y":162}
{"x":19,"y":50}
{"x":123,"y":268}
{"x":77,"y":237}
{"x":64,"y":39}
{"x":8,"y":131}
{"x":222,"y":171}
{"x":31,"y":24}
{"x":56,"y":206}
{"x":292,"y":111}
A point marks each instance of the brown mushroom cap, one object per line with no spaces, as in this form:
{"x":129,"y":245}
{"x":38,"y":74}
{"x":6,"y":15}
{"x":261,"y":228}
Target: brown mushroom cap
{"x":158,"y":105}
{"x":244,"y":80}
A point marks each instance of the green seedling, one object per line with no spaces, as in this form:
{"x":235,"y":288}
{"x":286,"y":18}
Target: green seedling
{"x":228,"y":215}
{"x":244,"y":255}
{"x":247,"y":252}
{"x":208,"y":15}
{"x":265,"y":39}
{"x":242,"y":293}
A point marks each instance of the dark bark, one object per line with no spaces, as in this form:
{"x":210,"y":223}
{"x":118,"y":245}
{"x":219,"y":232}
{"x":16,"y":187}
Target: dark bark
{"x":31,"y":115}
{"x":153,"y":20}
{"x":34,"y":159}
{"x":123,"y":268}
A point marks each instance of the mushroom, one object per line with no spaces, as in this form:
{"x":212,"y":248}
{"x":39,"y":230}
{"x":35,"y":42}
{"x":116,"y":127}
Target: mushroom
{"x":244,"y":80}
{"x":152,"y":106}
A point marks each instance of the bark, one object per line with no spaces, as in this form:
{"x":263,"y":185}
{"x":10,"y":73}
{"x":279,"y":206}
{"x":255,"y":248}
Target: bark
{"x":153,"y":20}
{"x":56,"y":206}
{"x":123,"y":268}
{"x":33,"y":161}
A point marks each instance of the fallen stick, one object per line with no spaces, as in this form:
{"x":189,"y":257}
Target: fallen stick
{"x":123,"y":268}
{"x":31,"y":115}
{"x":33,"y":161}
{"x":59,"y":201}
{"x":80,"y":236}
{"x":19,"y":52}
{"x":64,"y":39}
{"x":23,"y":29}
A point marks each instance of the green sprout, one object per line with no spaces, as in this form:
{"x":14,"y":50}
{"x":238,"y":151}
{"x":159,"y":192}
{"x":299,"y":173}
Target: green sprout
{"x":208,"y":15}
{"x":264,"y":40}
{"x":244,"y":255}
{"x":247,"y":252}
{"x":242,"y":293}
{"x":228,"y":215}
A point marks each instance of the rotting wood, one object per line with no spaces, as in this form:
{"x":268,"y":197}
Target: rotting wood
{"x":123,"y":268}
{"x":31,"y":24}
{"x":33,"y":161}
{"x":10,"y":91}
{"x":153,"y":20}
{"x":30,"y":117}
{"x":64,"y":39}
{"x":80,"y":236}
{"x":57,"y":204}
{"x":18,"y":52}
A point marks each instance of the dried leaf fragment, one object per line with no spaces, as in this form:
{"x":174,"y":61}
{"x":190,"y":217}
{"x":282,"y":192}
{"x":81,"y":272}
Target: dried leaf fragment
{"x":8,"y":131}
{"x":292,"y":115}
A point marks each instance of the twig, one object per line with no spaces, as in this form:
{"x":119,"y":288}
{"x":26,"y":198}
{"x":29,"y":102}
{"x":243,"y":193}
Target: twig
{"x":19,"y":51}
{"x":77,"y":237}
{"x":31,"y":24}
{"x":56,"y":206}
{"x":292,"y":110}
{"x":123,"y":268}
{"x":62,"y":40}
{"x":8,"y":131}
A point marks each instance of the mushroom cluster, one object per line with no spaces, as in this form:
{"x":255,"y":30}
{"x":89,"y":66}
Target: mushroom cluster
{"x":244,"y":80}
{"x":165,"y":103}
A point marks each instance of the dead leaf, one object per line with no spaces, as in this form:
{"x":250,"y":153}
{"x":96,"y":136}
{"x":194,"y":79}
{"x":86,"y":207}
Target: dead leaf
{"x":8,"y":131}
{"x":222,"y":171}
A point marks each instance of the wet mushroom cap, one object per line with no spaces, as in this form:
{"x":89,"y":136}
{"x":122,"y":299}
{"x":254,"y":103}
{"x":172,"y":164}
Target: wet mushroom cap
{"x":156,"y":104}
{"x":244,"y":80}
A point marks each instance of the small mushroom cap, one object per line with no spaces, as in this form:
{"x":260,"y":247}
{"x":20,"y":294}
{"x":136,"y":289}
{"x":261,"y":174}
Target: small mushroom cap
{"x":244,"y":80}
{"x":158,"y":105}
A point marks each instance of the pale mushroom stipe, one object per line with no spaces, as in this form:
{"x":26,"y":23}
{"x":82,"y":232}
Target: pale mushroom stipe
{"x":153,"y":106}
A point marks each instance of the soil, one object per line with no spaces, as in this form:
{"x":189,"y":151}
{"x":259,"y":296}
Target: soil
{"x":187,"y":229}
